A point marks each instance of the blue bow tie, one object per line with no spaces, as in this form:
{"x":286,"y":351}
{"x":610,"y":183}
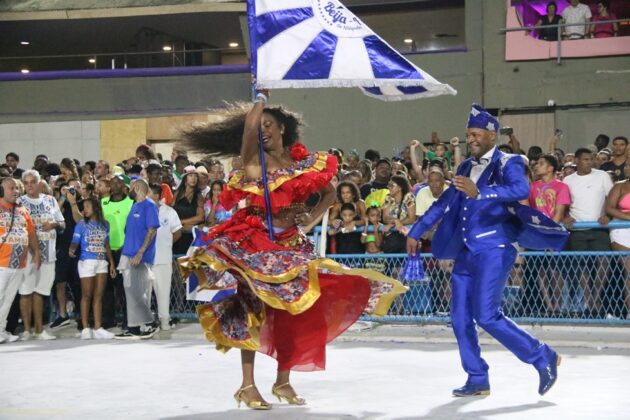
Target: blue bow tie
{"x":482,"y":161}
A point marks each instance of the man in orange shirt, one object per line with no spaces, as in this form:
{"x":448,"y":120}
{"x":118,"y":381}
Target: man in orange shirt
{"x":17,"y":235}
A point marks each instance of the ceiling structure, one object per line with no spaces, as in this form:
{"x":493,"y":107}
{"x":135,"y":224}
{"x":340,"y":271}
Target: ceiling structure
{"x":69,"y":43}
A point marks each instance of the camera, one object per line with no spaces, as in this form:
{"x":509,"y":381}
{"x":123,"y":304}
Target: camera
{"x":557,"y":131}
{"x":506,"y":131}
{"x":72,"y":190}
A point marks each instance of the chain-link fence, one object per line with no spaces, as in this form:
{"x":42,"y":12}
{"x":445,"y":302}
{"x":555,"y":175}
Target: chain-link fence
{"x":563,"y":287}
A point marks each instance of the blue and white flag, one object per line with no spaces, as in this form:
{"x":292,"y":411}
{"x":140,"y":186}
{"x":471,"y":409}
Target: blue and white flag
{"x":320,"y":43}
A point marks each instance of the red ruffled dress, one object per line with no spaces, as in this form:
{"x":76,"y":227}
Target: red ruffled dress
{"x":289,"y":302}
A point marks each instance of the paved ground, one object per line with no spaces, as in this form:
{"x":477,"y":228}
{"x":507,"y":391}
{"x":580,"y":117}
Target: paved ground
{"x":382,"y":373}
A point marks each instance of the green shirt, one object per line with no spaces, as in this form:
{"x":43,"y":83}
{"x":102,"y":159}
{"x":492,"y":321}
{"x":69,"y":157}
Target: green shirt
{"x":447,"y":156}
{"x":116,"y":213}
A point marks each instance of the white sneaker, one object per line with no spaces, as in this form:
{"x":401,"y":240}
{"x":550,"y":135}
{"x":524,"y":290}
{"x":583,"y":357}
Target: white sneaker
{"x":25,"y":336}
{"x":103,"y":334}
{"x":86,"y":334}
{"x":6,"y":336}
{"x":45,"y":336}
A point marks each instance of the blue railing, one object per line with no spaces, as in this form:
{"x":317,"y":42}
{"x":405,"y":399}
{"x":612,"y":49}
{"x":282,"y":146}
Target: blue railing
{"x":544,"y":287}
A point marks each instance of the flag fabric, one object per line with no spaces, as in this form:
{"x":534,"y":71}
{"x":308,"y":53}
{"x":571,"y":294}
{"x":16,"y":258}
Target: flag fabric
{"x":320,"y":43}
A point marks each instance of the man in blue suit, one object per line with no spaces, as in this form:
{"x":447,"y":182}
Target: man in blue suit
{"x":480,"y":219}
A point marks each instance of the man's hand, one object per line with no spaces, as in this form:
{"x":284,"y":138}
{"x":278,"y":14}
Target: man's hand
{"x":414,"y":143}
{"x":72,"y":199}
{"x":466,"y":185}
{"x":568,"y":222}
{"x":137,"y":259}
{"x":413,"y":246}
{"x":72,"y":253}
{"x":604,"y":220}
{"x":48,"y":226}
{"x":112,"y":270}
{"x":454,"y":141}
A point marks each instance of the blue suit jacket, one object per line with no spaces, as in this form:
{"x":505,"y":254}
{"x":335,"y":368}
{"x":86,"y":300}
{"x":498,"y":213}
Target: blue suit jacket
{"x":495,"y":218}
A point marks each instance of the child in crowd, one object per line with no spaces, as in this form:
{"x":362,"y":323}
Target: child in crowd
{"x":214,"y":211}
{"x":373,"y":219}
{"x":92,"y":235}
{"x":373,"y":247}
{"x":345,"y":231}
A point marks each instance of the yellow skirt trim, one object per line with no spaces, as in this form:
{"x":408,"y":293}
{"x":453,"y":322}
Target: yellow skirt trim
{"x":212,"y":326}
{"x":194,"y":264}
{"x":212,"y":330}
{"x":237,"y":181}
{"x":307,"y":300}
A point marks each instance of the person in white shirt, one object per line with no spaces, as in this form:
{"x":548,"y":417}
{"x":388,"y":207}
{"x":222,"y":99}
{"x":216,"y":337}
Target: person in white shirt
{"x":47,"y":217}
{"x":169,"y":231}
{"x":589,"y":188}
{"x":576,"y":13}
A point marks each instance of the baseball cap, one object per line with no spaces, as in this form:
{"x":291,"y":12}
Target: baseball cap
{"x":124,"y":178}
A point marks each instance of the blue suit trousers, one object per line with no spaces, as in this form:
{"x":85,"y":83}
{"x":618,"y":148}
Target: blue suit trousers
{"x":478,"y":281}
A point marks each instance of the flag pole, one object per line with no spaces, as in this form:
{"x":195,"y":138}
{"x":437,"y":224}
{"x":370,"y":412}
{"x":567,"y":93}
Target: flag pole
{"x":263,"y":166}
{"x":251,"y":17}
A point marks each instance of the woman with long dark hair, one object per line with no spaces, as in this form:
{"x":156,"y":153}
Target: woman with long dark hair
{"x":289,"y":302}
{"x":348,"y":192}
{"x":213,"y":210}
{"x":399,"y":210}
{"x":188,"y":203}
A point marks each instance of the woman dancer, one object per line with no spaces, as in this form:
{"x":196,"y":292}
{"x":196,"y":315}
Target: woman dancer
{"x":289,"y":302}
{"x":618,"y":207}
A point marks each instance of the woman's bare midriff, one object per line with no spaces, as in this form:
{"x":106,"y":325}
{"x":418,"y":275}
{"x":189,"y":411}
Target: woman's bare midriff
{"x":285,"y":218}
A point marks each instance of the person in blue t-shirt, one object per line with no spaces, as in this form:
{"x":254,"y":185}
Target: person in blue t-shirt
{"x":138,"y":255}
{"x":92,"y":236}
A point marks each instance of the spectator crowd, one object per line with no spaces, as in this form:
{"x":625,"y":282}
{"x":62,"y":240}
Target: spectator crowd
{"x":100,"y":238}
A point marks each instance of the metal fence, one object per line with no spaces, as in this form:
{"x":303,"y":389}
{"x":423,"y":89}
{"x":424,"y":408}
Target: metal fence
{"x":562,"y":287}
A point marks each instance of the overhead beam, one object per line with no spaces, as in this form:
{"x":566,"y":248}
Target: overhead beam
{"x":123,"y":12}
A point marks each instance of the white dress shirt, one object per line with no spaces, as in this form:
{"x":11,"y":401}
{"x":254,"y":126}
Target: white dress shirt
{"x":477,"y":170}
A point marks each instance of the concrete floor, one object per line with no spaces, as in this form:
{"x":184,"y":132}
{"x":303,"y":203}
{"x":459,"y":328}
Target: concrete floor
{"x":183,"y":377}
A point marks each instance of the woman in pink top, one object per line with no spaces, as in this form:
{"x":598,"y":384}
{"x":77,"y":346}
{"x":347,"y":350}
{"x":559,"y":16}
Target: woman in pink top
{"x":618,"y":207}
{"x":604,"y":30}
{"x":551,"y":197}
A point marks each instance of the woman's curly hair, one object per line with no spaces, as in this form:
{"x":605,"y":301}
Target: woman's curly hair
{"x":224,"y":138}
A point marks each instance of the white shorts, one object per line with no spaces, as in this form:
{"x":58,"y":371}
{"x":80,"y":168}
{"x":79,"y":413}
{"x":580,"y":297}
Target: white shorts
{"x":38,"y":281}
{"x":620,"y":236}
{"x":90,"y":268}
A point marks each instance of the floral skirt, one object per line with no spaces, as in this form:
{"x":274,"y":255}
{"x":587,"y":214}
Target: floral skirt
{"x":289,"y":302}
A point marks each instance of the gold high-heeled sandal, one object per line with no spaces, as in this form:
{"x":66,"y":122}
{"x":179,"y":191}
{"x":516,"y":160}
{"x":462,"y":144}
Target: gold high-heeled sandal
{"x":294,"y":400}
{"x":254,"y":405}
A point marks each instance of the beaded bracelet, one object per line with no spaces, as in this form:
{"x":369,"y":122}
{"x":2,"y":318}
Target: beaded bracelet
{"x":261,"y":97}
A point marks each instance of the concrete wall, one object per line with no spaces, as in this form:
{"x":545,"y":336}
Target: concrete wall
{"x":55,"y":100}
{"x":76,"y":139}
